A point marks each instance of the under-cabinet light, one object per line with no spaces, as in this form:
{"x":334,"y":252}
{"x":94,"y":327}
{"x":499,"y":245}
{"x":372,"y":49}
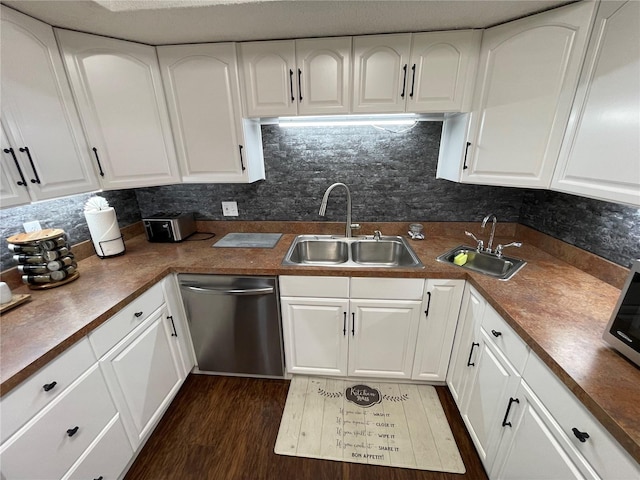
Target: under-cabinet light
{"x":354,"y":120}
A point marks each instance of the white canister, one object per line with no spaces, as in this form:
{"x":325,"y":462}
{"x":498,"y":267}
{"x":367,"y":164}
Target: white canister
{"x":5,"y":293}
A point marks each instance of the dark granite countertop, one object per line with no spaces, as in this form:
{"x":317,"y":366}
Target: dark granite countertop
{"x":559,"y":310}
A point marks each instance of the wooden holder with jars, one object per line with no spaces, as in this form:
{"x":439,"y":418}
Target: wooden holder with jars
{"x":44,"y":258}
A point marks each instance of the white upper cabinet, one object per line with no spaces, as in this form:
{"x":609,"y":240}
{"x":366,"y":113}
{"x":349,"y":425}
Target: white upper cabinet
{"x":118,"y":88}
{"x":525,"y":85}
{"x":268,"y":78}
{"x":421,"y":72}
{"x":213,"y":142}
{"x":39,"y":114}
{"x":380,"y":72}
{"x":306,"y":77}
{"x":600,"y":155}
{"x":443,"y":67}
{"x":324,"y":75}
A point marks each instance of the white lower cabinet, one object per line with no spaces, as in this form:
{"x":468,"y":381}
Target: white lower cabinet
{"x":61,"y":432}
{"x":493,"y":382}
{"x":533,"y":446}
{"x":144,"y":374}
{"x":89,"y":411}
{"x":437,"y":327}
{"x":107,"y":457}
{"x":382,"y":339}
{"x":315,"y":335}
{"x":525,"y":424}
{"x":368,"y":327}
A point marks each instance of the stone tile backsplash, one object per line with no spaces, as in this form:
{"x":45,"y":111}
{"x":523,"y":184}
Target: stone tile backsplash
{"x":66,"y":213}
{"x":607,"y":229}
{"x":391,"y":176}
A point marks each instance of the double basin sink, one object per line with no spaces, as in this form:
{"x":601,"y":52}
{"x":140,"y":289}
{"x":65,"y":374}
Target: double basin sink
{"x":389,"y":252}
{"x":331,"y":251}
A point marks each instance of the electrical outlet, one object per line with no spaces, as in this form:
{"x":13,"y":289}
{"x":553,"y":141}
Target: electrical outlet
{"x":32,"y":226}
{"x":230,"y":209}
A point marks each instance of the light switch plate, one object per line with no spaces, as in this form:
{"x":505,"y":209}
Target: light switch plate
{"x":230,"y":209}
{"x":32,"y":226}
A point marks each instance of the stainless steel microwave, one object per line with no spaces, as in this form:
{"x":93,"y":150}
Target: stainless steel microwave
{"x":623,"y":330}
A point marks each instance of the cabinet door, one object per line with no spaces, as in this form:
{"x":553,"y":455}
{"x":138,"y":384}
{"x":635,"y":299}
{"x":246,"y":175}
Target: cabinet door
{"x":526,"y":81}
{"x":39,"y":113}
{"x":382,"y":339}
{"x":600,"y":157}
{"x":118,"y":88}
{"x":380,"y":72}
{"x":13,"y":184}
{"x":58,"y":436}
{"x":143,"y":374}
{"x":438,"y":320}
{"x":106,"y":458}
{"x":178,"y":319}
{"x":533,"y":446}
{"x":269,"y":78}
{"x":494,"y":382}
{"x":324,"y":75}
{"x":315,"y":332}
{"x":465,"y":347}
{"x":443,"y":68}
{"x":203,"y":96}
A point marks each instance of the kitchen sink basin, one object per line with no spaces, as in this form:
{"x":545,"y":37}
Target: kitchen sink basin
{"x":385,"y":252}
{"x":326,"y":250}
{"x":502,"y":268}
{"x":315,"y":251}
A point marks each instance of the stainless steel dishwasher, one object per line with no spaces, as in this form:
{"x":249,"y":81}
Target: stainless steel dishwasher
{"x":235,"y":324}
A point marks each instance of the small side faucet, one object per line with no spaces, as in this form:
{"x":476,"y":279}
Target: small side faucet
{"x":493,"y":230}
{"x":323,"y":208}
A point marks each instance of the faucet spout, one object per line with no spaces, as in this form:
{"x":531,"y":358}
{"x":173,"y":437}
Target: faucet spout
{"x":493,"y":229}
{"x":323,"y":207}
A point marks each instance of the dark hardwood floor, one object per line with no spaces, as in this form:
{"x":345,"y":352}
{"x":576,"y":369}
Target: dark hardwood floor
{"x":226,"y":428}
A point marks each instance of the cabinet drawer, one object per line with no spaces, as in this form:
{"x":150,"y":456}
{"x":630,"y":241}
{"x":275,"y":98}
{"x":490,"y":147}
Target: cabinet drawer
{"x":86,"y":405}
{"x":20,"y":405}
{"x":316,"y":287}
{"x":117,"y":327}
{"x":387,"y":288}
{"x":601,"y":450}
{"x":107,"y":457}
{"x":508,"y":341}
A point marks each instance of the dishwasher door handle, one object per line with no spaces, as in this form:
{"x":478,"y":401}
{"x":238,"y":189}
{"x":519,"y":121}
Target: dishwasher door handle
{"x":230,"y":291}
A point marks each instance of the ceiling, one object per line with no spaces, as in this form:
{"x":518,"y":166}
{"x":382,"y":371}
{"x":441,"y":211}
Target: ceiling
{"x":159,"y":22}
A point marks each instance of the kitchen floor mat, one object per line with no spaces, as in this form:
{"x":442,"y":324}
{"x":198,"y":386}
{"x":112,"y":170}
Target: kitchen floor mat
{"x":397,"y":425}
{"x":249,"y":240}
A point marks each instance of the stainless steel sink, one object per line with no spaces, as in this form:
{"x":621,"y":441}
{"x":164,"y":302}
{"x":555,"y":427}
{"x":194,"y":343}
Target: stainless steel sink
{"x":385,"y":252}
{"x":502,"y":268}
{"x":326,"y":250}
{"x":314,"y":251}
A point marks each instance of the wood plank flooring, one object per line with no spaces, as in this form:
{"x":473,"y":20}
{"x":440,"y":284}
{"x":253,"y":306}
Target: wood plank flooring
{"x":225,"y":428}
